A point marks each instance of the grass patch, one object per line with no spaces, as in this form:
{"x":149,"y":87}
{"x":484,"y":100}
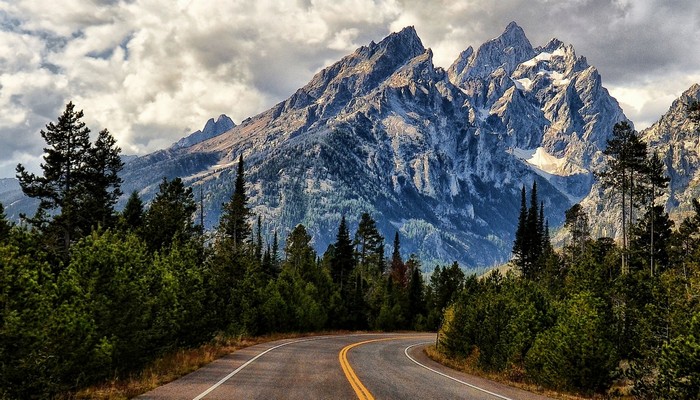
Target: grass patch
{"x":514,"y":376}
{"x":172,"y":366}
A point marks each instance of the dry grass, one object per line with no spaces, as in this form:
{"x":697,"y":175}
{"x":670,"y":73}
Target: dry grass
{"x":514,"y":377}
{"x":170,"y":367}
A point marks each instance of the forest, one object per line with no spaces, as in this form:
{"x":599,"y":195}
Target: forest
{"x":595,"y":317}
{"x":88,"y":294}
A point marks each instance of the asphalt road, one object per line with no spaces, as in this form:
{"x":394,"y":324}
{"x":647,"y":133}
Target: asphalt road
{"x":365,"y":366}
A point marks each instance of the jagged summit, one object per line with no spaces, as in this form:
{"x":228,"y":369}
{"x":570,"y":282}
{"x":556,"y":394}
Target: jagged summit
{"x":211,"y":129}
{"x":439,"y":156}
{"x":506,"y":51}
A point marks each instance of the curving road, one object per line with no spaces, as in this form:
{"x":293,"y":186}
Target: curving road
{"x":364,"y":366}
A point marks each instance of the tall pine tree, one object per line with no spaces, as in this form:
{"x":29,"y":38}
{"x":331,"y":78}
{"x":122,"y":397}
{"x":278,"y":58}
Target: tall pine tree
{"x":79,"y":180}
{"x":234,"y":222}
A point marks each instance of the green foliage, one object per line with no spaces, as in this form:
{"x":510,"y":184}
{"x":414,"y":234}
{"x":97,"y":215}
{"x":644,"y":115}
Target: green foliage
{"x":27,"y":294}
{"x":5,"y":225}
{"x":531,"y":245}
{"x":132,"y":217}
{"x":170,"y":216}
{"x":576,"y":352}
{"x":234,"y":222}
{"x":79,"y":184}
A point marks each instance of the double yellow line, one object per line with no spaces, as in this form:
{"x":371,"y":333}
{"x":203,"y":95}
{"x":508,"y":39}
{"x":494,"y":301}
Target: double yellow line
{"x":360,"y":390}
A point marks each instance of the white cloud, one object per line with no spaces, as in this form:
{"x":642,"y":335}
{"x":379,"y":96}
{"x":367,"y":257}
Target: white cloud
{"x":152,"y":71}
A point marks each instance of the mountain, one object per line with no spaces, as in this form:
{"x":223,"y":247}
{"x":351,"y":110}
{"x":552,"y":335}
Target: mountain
{"x":211,"y":129}
{"x":14,"y":201}
{"x":677,"y":141}
{"x":438,"y":155}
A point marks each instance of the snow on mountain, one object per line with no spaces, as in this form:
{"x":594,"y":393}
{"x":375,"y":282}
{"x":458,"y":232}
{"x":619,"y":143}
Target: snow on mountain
{"x":437,"y":155}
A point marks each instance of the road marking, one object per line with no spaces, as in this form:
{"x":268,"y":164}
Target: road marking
{"x":227,"y":377}
{"x":360,"y":390}
{"x":447,"y":376}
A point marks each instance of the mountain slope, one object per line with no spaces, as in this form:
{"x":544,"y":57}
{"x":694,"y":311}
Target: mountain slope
{"x":439,"y":156}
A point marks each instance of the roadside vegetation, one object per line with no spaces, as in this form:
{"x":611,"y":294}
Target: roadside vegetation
{"x":91,"y":297}
{"x":597,"y":318}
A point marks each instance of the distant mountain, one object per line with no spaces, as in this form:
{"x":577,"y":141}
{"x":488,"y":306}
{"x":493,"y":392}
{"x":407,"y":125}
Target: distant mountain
{"x":211,"y":129}
{"x":439,"y":156}
{"x":14,"y":201}
{"x":677,"y":140}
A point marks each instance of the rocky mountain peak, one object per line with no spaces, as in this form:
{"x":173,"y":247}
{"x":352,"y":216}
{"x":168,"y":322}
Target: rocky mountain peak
{"x":505,"y":51}
{"x":211,"y":129}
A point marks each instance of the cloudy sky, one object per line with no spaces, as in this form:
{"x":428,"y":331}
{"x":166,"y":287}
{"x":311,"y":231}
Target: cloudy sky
{"x":152,"y":71}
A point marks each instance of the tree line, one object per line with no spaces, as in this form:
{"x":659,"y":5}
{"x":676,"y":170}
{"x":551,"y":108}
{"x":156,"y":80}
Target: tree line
{"x":89,"y":294}
{"x":596,"y":316}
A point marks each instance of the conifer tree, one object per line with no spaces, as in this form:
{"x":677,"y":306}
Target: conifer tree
{"x":343,"y":261}
{"x":626,"y":163}
{"x":170,"y":215}
{"x":5,"y":226}
{"x":576,"y":221}
{"x":369,"y":245}
{"x":520,"y":243}
{"x":102,"y":182}
{"x":398,"y":268}
{"x":234,"y":222}
{"x":78,"y":179}
{"x":258,"y":240}
{"x":133,"y":213}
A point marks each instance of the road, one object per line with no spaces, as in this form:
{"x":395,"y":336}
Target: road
{"x":364,"y":366}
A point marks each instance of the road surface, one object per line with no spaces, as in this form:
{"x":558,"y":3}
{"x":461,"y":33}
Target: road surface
{"x":360,"y":366}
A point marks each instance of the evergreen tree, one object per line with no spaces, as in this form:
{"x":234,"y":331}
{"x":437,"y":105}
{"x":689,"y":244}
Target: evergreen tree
{"x":300,"y":256}
{"x":656,"y":182}
{"x":651,"y":238}
{"x":258,"y":240}
{"x":625,"y":164}
{"x":234,"y":220}
{"x":133,"y":213}
{"x":416,"y":296}
{"x":576,"y":221}
{"x":343,"y":260}
{"x":5,"y":226}
{"x":170,"y":215}
{"x":399,"y":272}
{"x":78,"y":179}
{"x":102,"y":182}
{"x":520,"y":243}
{"x":369,"y":245}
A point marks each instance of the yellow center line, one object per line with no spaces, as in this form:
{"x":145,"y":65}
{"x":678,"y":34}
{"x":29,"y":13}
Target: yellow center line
{"x":360,"y":389}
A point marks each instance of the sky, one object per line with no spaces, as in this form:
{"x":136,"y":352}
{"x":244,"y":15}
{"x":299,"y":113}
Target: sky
{"x":153,"y":71}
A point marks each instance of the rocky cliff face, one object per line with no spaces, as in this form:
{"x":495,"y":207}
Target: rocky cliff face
{"x":677,"y":141}
{"x":437,"y":155}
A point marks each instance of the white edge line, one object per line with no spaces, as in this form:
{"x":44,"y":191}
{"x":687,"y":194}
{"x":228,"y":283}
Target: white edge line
{"x":447,"y":376}
{"x":237,"y":370}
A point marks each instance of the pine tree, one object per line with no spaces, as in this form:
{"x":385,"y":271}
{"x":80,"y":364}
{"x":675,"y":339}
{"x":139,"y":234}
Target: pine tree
{"x":656,"y":181}
{"x":398,"y":268}
{"x":133,"y":213}
{"x":61,"y":186}
{"x":234,"y":220}
{"x":258,"y":240}
{"x":520,"y":243}
{"x":369,"y":245}
{"x":170,"y":215}
{"x":343,"y":260}
{"x":100,"y":175}
{"x":625,"y":164}
{"x":5,"y":226}
{"x":576,"y":221}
